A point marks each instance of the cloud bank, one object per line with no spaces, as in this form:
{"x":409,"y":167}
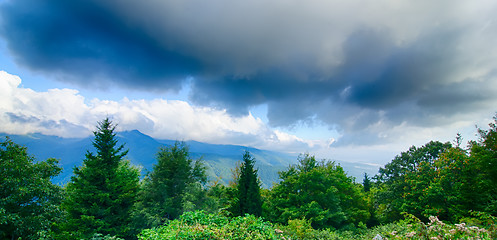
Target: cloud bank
{"x":360,"y":67}
{"x":65,"y":113}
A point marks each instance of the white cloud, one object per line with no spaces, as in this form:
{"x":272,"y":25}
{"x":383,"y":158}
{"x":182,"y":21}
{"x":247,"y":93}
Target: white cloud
{"x":64,"y":112}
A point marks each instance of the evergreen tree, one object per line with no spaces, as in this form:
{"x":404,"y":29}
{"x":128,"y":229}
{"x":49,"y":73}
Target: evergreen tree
{"x":248,"y":193}
{"x":29,"y":202}
{"x":102,"y":192}
{"x":175,"y":184}
{"x":366,"y":183}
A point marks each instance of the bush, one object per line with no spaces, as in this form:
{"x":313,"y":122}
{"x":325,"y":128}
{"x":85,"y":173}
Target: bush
{"x":99,"y":236}
{"x":200,"y":225}
{"x":483,"y":227}
{"x":413,"y":228}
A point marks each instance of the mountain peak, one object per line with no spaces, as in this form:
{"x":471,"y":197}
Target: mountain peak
{"x":132,"y":132}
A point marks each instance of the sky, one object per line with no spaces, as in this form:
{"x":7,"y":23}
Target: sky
{"x":357,"y":80}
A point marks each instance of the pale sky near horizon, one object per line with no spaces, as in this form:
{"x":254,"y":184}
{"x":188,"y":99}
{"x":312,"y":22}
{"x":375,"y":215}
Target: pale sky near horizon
{"x":352,"y":81}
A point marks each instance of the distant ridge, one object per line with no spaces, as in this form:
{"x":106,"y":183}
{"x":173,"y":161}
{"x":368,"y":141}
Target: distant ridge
{"x":219,"y":158}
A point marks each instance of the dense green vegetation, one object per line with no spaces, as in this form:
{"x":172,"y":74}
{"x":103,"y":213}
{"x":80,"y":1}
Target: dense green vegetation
{"x":199,"y":225}
{"x":436,"y":191}
{"x":29,"y":202}
{"x":320,"y":192}
{"x":248,"y":193}
{"x":102,"y":192}
{"x":174,"y":185}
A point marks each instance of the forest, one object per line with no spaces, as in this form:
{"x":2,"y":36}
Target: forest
{"x":441,"y":190}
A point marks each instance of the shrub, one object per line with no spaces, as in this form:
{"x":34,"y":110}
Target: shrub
{"x":413,"y":228}
{"x":99,"y":236}
{"x":481,"y":227}
{"x":200,"y":225}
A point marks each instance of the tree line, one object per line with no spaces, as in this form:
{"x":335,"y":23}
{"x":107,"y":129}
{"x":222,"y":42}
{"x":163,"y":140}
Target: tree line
{"x":106,"y":196}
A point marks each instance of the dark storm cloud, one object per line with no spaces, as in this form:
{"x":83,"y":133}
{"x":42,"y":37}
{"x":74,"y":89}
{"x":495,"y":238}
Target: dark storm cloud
{"x":351,"y":68}
{"x":377,"y":79}
{"x":85,"y":42}
{"x":275,"y":87}
{"x":386,"y":74}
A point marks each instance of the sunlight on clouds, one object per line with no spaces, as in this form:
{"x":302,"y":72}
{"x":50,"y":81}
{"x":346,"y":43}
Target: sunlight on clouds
{"x":295,"y":144}
{"x":177,"y":119}
{"x":53,"y":112}
{"x":63,"y":112}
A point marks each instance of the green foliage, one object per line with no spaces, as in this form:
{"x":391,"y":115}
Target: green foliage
{"x":484,"y":158}
{"x":366,"y":183}
{"x":408,"y":228}
{"x":248,"y":196}
{"x":298,"y":229}
{"x":453,"y":189}
{"x":440,"y":180}
{"x":174,"y":185}
{"x":218,"y":198}
{"x":200,"y":225}
{"x":314,"y":200}
{"x":99,"y":236}
{"x":102,"y":192}
{"x":405,"y":180}
{"x":482,"y":220}
{"x":371,"y":203}
{"x":320,"y":192}
{"x":414,"y":228}
{"x":29,"y":202}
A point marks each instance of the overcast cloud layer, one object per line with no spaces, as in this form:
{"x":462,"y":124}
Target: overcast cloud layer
{"x":364,"y":68}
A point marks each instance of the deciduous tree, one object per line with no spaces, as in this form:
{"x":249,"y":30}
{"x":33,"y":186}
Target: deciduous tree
{"x":484,"y":156}
{"x":319,"y":191}
{"x":404,"y":179}
{"x":29,"y":202}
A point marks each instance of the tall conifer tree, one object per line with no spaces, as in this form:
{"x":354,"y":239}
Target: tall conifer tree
{"x":366,"y":183}
{"x":102,"y":192}
{"x":248,"y":188}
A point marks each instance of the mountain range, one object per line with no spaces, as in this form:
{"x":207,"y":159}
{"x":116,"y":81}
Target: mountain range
{"x":220,"y":159}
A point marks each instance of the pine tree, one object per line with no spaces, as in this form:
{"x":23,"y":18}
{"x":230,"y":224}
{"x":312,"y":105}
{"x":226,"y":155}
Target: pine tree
{"x":366,"y":183}
{"x":248,"y":189}
{"x":175,"y":184}
{"x":102,"y":192}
